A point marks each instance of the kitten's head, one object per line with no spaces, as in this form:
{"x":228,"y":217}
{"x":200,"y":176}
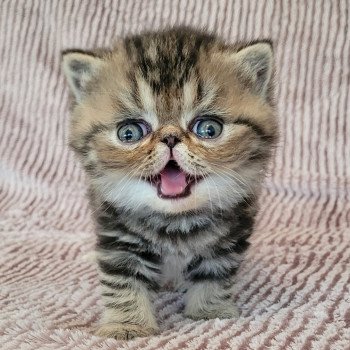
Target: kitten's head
{"x":173,"y":121}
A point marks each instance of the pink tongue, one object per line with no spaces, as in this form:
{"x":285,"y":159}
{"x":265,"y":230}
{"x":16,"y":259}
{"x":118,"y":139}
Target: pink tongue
{"x":172,"y":181}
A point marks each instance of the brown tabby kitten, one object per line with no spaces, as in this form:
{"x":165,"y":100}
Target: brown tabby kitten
{"x":174,"y":129}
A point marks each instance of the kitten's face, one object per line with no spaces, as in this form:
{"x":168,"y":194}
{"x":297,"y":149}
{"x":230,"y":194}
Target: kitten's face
{"x":173,"y":121}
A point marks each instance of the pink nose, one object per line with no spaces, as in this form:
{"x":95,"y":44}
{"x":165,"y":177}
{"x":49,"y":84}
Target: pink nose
{"x":170,"y":141}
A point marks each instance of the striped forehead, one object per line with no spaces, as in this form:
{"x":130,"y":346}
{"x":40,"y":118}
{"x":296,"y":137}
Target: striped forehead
{"x":165,"y":75}
{"x":175,"y":106}
{"x":164,"y":62}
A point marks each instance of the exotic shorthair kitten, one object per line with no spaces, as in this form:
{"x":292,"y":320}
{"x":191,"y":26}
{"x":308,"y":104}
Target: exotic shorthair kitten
{"x":174,"y":129}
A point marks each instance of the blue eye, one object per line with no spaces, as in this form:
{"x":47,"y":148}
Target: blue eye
{"x":207,"y":128}
{"x":132,"y":132}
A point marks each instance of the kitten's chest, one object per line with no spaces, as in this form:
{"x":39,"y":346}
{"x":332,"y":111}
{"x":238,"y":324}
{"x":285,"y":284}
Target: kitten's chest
{"x":173,"y":268}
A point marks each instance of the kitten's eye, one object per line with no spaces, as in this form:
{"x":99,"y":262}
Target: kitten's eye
{"x":207,"y":128}
{"x":132,"y":132}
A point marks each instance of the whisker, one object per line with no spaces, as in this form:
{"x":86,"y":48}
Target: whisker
{"x":217,"y":191}
{"x":240,"y":194}
{"x":236,"y":177}
{"x":124,"y":181}
{"x":210,"y":199}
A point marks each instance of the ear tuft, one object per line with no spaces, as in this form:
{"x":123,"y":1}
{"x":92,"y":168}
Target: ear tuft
{"x":255,"y":63}
{"x":80,"y":68}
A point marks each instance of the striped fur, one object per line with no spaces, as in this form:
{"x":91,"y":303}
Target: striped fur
{"x":168,"y":80}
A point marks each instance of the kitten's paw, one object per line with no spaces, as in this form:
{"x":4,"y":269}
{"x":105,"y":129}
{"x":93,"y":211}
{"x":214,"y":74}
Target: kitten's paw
{"x":221,"y":311}
{"x":124,"y":331}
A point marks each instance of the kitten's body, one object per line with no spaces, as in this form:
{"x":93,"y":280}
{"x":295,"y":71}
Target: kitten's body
{"x":200,"y":107}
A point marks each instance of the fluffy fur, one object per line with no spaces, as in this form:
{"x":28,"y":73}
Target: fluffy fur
{"x":145,"y":241}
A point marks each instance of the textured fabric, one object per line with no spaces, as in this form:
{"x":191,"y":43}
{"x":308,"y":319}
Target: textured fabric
{"x":293,"y":289}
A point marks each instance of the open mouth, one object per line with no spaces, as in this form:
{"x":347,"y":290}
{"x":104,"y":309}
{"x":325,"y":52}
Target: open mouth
{"x":172,"y":182}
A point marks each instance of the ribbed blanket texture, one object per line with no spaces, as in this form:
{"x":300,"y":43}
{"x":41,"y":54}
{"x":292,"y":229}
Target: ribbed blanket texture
{"x":292,"y":290}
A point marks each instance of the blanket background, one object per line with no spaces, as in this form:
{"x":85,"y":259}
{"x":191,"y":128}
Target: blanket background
{"x":293,"y":289}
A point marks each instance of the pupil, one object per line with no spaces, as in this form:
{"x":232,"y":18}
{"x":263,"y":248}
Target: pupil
{"x":210,"y":130}
{"x":128,"y":134}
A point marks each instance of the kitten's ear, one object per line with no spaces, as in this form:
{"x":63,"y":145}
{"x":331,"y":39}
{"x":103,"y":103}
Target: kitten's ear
{"x":80,"y":68}
{"x":255,"y":63}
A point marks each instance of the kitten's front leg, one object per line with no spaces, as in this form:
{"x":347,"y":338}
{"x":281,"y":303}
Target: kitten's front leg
{"x":128,"y":276}
{"x":211,"y":275}
{"x":210,"y":291}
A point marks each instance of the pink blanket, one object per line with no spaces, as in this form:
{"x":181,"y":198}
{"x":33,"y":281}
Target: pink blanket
{"x":293,"y":289}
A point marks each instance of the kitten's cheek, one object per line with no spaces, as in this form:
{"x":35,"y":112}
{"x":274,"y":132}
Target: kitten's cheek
{"x":163,"y":156}
{"x":176,"y":153}
{"x":179,"y":154}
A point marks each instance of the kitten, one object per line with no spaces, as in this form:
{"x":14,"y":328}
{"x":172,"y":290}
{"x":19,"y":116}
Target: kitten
{"x":174,"y":129}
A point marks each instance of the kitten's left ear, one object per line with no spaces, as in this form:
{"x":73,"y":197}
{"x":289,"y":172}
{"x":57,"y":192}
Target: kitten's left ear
{"x":80,"y":69}
{"x":255,"y":63}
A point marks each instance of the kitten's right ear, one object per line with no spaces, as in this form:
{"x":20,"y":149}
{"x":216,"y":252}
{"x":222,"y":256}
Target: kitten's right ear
{"x":80,"y":68}
{"x":255,"y":61}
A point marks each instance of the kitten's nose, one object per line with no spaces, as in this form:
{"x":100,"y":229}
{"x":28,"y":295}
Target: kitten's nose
{"x":170,"y":140}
